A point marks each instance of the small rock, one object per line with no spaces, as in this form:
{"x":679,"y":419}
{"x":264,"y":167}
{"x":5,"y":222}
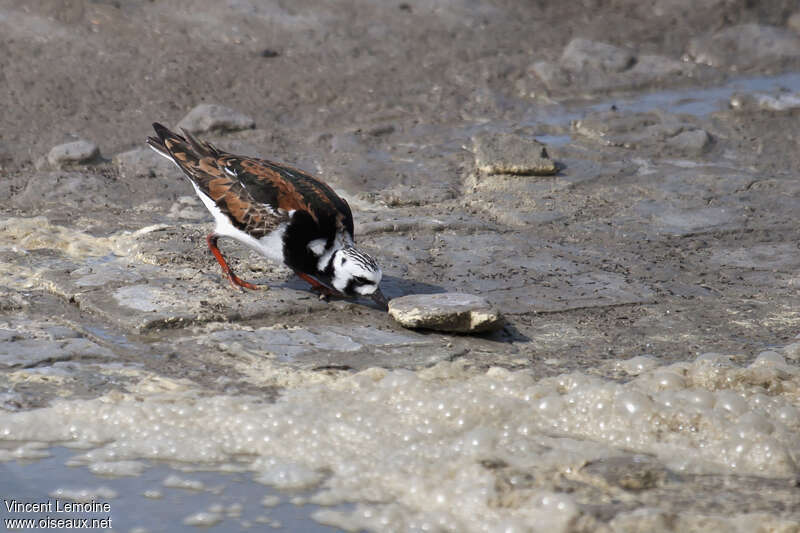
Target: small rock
{"x":72,"y":153}
{"x":208,"y":117}
{"x":453,"y":312}
{"x":505,"y":153}
{"x":582,"y":53}
{"x":142,"y":162}
{"x":11,"y":301}
{"x":691,"y":141}
{"x":745,"y":46}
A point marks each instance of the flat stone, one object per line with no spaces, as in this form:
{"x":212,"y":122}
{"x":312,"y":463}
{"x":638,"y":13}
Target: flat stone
{"x":173,"y":298}
{"x":506,"y":153}
{"x":72,"y":153}
{"x":143,"y":162}
{"x":24,"y":345}
{"x":693,"y":142}
{"x":637,"y":130}
{"x":581,"y":53}
{"x":628,"y":130}
{"x":453,"y":312}
{"x":745,"y":46}
{"x":354,"y":347}
{"x":208,"y":117}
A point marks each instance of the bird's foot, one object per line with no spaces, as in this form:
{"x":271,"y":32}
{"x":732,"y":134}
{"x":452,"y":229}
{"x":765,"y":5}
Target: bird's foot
{"x":324,"y":291}
{"x":235,"y":280}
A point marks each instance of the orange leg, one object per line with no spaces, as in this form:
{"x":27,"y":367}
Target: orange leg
{"x":211,"y":239}
{"x":323,"y":291}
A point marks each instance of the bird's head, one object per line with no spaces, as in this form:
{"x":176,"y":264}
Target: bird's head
{"x":357,"y":274}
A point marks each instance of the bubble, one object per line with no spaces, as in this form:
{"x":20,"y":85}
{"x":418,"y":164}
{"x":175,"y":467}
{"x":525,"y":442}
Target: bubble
{"x":731,"y":402}
{"x":637,"y":365}
{"x":633,"y":403}
{"x":769,"y":358}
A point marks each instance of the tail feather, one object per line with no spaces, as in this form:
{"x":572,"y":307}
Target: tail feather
{"x":197,"y":159}
{"x":200,"y":147}
{"x":168,"y":143}
{"x":160,"y":143}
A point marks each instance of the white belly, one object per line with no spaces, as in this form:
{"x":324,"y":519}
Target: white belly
{"x":270,"y":245}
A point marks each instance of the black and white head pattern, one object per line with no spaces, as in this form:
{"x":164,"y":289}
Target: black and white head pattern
{"x":354,"y":272}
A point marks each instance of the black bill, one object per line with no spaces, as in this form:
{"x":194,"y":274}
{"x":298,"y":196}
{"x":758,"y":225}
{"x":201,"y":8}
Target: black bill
{"x":380,"y":299}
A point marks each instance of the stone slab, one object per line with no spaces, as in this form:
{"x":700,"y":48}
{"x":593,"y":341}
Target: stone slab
{"x":450,"y":312}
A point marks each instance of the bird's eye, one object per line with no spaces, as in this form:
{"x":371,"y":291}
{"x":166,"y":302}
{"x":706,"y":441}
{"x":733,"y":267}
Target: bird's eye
{"x":362,"y":281}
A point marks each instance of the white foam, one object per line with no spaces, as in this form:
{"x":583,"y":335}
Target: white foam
{"x":412,"y":447}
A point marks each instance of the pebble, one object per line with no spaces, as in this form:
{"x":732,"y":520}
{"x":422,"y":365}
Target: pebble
{"x":452,"y":312}
{"x":208,"y":117}
{"x":744,"y":46}
{"x":72,"y":153}
{"x":582,"y":53}
{"x":142,"y":162}
{"x":691,"y":141}
{"x":507,"y":153}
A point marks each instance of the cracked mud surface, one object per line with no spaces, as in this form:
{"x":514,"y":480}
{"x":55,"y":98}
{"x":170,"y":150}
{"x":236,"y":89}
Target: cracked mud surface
{"x":647,"y":377}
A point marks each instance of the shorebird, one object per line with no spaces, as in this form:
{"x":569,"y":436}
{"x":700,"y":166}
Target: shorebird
{"x":281,"y":212}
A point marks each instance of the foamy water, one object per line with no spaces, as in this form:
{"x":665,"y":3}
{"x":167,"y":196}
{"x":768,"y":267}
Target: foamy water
{"x":412,"y":448}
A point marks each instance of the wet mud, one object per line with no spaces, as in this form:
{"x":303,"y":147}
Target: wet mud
{"x":626,"y":199}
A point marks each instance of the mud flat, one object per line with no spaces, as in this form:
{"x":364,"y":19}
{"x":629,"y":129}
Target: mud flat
{"x":627,"y":202}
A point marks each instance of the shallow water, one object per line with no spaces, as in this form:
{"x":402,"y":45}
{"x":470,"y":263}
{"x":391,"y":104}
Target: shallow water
{"x":143,"y":502}
{"x":699,"y":102}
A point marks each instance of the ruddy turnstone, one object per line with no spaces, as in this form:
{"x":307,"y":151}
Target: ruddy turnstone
{"x":279,"y":211}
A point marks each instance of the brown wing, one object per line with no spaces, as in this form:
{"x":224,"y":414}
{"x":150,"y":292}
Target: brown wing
{"x":287,"y":188}
{"x":201,"y":163}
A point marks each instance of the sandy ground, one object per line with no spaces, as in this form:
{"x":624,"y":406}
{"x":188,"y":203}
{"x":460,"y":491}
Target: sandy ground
{"x":667,"y":235}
